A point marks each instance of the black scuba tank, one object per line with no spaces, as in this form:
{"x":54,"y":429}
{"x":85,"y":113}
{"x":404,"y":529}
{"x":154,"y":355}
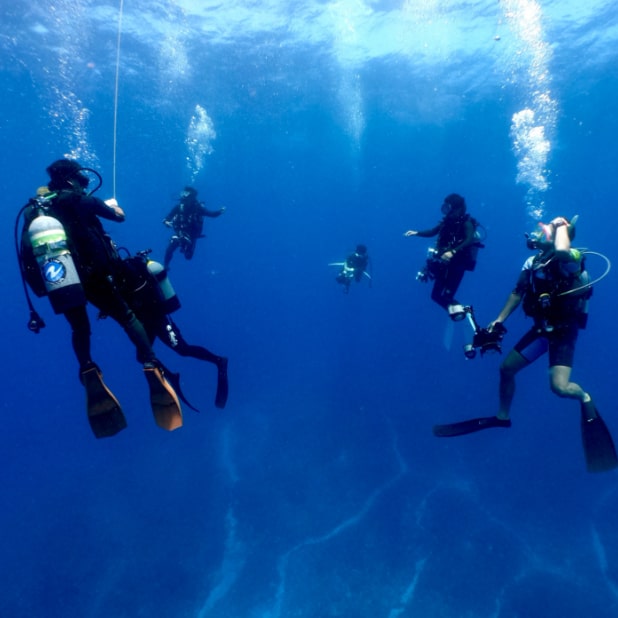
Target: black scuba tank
{"x":48,"y":240}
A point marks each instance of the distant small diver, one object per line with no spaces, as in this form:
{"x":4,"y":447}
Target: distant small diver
{"x":354,"y":268}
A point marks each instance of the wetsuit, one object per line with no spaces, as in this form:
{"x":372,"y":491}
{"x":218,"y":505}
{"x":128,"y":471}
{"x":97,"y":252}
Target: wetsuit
{"x":187,"y":221}
{"x":455,"y":234}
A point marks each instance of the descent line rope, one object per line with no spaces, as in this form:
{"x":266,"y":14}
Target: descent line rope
{"x":115,"y":129}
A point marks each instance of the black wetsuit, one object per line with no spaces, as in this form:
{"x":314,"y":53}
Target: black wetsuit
{"x":354,"y":267}
{"x":456,"y":234}
{"x":143,"y":294}
{"x":187,"y":221}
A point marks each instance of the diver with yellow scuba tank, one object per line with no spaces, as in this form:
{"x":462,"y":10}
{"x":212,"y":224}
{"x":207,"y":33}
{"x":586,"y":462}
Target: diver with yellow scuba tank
{"x":66,"y":254}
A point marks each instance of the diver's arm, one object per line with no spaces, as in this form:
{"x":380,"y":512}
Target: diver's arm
{"x":169,"y":218}
{"x":470,"y":238}
{"x":424,"y":233}
{"x":562,"y":242}
{"x":113,"y":204}
{"x":512,"y":302}
{"x":211,"y":213}
{"x":107,"y":210}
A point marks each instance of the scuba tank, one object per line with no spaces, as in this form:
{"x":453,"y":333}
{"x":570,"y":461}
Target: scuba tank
{"x":170,"y":302}
{"x":48,"y":240}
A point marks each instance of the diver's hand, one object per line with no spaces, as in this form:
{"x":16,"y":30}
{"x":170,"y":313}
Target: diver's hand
{"x":447,"y":256}
{"x":113,"y":204}
{"x":410,"y":233}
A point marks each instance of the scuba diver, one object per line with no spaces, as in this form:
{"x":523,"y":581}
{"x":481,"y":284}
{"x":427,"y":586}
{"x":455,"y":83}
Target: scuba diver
{"x":149,"y":293}
{"x":187,"y":221}
{"x":455,"y":252}
{"x":554,"y":289}
{"x":354,"y":268}
{"x":66,"y":254}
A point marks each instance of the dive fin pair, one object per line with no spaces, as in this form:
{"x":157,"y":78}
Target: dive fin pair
{"x":105,"y":414}
{"x":597,"y":441}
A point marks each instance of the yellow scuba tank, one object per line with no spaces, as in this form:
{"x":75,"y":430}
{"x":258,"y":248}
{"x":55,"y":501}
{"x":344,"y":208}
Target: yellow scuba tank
{"x":48,"y":240}
{"x":171,"y":302}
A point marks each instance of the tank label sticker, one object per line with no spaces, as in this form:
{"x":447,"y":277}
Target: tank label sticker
{"x":54,"y":271}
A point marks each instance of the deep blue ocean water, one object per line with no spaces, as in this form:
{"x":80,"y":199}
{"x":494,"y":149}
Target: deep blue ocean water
{"x":319,"y":491}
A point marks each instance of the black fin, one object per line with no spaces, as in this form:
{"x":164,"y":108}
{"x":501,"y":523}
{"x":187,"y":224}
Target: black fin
{"x":222,"y":383}
{"x":470,"y":426}
{"x":598,"y":445}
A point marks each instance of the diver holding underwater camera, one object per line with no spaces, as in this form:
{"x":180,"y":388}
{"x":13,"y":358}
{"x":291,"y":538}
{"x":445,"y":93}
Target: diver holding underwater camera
{"x":554,"y":289}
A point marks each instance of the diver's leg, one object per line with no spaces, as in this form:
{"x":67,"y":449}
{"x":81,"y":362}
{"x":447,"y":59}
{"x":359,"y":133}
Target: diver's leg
{"x":530,"y":347}
{"x":190,"y":248}
{"x":169,"y":251}
{"x":438,"y":293}
{"x":171,"y":336}
{"x":163,"y":398}
{"x":104,"y":412}
{"x":512,"y":364}
{"x":561,"y":385}
{"x":77,"y":318}
{"x":561,"y":356}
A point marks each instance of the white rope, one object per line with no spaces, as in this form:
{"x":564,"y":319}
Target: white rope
{"x":115,"y":130}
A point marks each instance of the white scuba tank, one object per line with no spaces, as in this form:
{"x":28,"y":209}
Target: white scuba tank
{"x":49,"y":245}
{"x":171,"y":302}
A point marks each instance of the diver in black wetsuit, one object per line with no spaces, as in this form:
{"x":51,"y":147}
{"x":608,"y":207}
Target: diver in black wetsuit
{"x":153,"y":299}
{"x":455,"y":252}
{"x":77,"y":215}
{"x":187,"y":221}
{"x":354,"y":268}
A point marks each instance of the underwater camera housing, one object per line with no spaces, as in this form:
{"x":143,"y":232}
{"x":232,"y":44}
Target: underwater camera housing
{"x":433,"y":265}
{"x":486,"y":341}
{"x":483,"y":339}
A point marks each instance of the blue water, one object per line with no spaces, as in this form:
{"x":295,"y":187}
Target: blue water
{"x":319,"y":491}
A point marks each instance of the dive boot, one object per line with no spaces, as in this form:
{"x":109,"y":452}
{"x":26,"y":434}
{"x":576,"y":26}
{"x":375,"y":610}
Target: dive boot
{"x":104,"y":412}
{"x":163,"y":398}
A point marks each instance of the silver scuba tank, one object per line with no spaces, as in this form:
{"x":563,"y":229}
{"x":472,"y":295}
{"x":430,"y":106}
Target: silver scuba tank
{"x":171,"y":302}
{"x":48,"y":239}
